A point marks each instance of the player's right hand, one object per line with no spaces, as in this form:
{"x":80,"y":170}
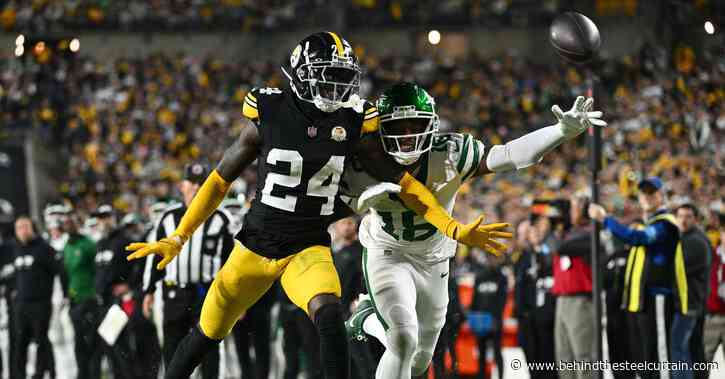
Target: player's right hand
{"x":168,"y":248}
{"x":483,"y":236}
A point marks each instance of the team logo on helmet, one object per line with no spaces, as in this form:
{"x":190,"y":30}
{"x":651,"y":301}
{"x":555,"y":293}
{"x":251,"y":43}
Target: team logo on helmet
{"x":324,"y":71}
{"x":295,"y":57}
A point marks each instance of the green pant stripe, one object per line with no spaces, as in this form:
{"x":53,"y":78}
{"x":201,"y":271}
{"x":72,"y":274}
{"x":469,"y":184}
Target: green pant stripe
{"x":370,"y":290}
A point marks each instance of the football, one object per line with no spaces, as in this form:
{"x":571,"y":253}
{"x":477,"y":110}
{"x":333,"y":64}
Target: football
{"x":575,"y":37}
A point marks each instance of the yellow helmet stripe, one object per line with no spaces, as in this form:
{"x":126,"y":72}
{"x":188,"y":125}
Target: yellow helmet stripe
{"x":338,"y":43}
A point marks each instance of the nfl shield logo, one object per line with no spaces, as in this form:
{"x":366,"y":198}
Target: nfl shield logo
{"x":312,"y":131}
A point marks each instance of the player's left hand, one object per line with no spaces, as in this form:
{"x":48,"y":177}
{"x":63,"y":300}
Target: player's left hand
{"x":484,"y":236}
{"x":579,"y":118}
{"x":374,"y":194}
{"x":168,"y":248}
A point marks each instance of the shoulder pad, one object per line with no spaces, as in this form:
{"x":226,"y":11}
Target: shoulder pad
{"x":464,"y":149}
{"x":249,"y":105}
{"x":371,"y":119}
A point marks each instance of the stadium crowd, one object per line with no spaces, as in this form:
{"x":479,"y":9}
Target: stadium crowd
{"x":128,"y":127}
{"x":159,"y":15}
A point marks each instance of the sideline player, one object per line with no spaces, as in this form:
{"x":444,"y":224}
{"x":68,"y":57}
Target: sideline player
{"x":405,"y":260}
{"x":302,"y":137}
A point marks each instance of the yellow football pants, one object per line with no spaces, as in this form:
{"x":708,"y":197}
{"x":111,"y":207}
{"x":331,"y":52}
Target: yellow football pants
{"x":246,"y":276}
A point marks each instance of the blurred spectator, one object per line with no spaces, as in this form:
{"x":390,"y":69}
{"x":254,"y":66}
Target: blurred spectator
{"x":300,"y":340}
{"x":7,"y":286}
{"x":36,"y":266}
{"x":447,"y":339}
{"x":715,"y":319}
{"x":574,"y":327}
{"x":347,"y":254}
{"x":79,"y":258}
{"x":187,"y":280}
{"x":253,"y":332}
{"x":486,"y":311}
{"x":113,"y":281}
{"x":535,"y":303}
{"x":654,"y":289}
{"x":348,"y":262}
{"x":616,"y":328}
{"x":697,"y":254}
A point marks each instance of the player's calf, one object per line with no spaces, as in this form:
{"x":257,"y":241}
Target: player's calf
{"x":190,"y":353}
{"x":326,"y":313}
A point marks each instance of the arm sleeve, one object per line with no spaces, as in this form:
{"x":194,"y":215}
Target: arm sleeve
{"x":205,"y":202}
{"x":416,"y":196}
{"x":654,"y":233}
{"x":524,"y":151}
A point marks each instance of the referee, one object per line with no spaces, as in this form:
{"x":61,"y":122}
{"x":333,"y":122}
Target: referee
{"x":187,"y":279}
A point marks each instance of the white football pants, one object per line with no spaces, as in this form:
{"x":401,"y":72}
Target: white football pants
{"x":410,"y":300}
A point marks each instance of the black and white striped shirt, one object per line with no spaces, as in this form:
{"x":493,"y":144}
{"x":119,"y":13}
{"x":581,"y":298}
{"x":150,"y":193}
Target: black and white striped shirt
{"x":201,"y":256}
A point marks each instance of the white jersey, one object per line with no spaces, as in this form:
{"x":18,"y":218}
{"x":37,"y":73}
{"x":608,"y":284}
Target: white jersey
{"x":453,"y":159}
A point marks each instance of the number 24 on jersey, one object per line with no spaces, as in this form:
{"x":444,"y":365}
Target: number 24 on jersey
{"x":315,"y":187}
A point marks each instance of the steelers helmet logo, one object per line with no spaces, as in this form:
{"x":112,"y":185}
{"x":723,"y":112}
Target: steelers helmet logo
{"x":339,"y":134}
{"x":295,"y":57}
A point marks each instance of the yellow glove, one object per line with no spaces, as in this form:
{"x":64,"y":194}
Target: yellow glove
{"x":417,"y":197}
{"x":168,"y":248}
{"x":207,"y":199}
{"x":475,"y":234}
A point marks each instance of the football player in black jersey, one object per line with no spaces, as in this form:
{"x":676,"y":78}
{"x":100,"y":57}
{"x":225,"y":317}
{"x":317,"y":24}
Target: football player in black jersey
{"x":302,"y":137}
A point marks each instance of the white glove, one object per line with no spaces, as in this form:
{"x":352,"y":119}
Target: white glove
{"x":579,"y":118}
{"x":374,"y":194}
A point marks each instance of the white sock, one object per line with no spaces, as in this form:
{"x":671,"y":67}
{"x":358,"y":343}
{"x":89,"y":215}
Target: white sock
{"x":373,"y":326}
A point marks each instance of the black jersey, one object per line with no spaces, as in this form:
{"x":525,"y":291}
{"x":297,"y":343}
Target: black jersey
{"x":299,"y":167}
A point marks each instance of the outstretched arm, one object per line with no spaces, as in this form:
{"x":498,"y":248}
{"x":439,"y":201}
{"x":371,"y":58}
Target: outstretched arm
{"x":530,"y":149}
{"x":211,"y":193}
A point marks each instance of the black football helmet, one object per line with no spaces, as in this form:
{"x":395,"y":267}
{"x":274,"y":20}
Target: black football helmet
{"x":324,"y":70}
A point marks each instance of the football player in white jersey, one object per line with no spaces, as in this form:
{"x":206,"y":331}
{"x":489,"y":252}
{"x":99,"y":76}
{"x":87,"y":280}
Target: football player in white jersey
{"x":405,"y":260}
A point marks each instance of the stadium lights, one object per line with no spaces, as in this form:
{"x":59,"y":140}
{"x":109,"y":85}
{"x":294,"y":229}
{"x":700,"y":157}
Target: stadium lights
{"x":75,"y":45}
{"x":19,"y":50}
{"x":709,"y":27}
{"x":20,"y":40}
{"x":434,"y":37}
